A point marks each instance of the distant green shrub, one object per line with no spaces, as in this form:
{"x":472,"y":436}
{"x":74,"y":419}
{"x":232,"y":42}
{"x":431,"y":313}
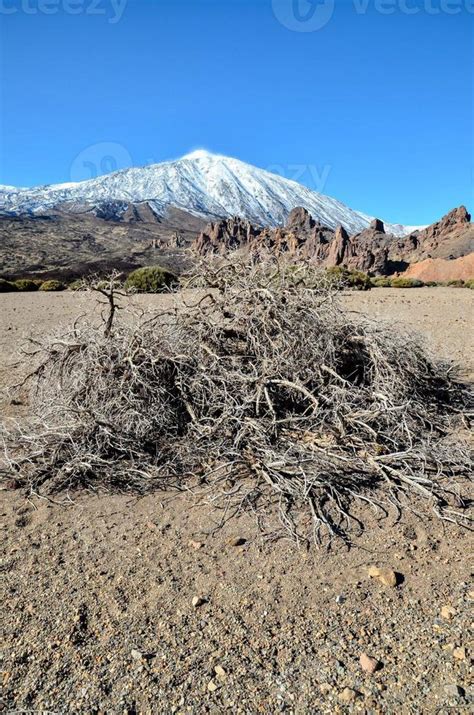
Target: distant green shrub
{"x":455,"y":283}
{"x":469,"y":283}
{"x":350,"y":278}
{"x":25,"y":284}
{"x":402,"y":282}
{"x":152,"y":279}
{"x":381,"y":282}
{"x":77,"y":285}
{"x":52,"y":285}
{"x":7,"y":286}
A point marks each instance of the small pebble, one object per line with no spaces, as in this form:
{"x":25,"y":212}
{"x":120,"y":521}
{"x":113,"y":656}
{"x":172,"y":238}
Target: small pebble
{"x":348,"y":695}
{"x":368,"y":664}
{"x":220,"y":672}
{"x":196,"y":545}
{"x":453,"y":690}
{"x":237,"y":541}
{"x":459,"y":653}
{"x":447,"y":612}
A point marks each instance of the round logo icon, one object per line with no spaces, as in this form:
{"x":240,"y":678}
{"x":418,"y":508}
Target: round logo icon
{"x":303,"y":15}
{"x":98,"y":159}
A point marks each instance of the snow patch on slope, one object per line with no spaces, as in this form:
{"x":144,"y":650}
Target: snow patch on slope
{"x":202,"y":183}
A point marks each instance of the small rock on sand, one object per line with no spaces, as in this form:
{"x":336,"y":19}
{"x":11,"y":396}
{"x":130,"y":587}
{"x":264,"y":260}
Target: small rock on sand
{"x":198,"y":601}
{"x":453,"y":691}
{"x":459,"y":653}
{"x":447,"y":612}
{"x":237,"y":541}
{"x":196,"y":545}
{"x":368,"y":664}
{"x":348,"y":695}
{"x":386,"y":576}
{"x":220,"y":672}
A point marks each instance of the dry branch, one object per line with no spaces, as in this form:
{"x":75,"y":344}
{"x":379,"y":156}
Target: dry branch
{"x":261,"y":385}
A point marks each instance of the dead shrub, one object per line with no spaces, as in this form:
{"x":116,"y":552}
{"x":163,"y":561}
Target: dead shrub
{"x":257,"y":387}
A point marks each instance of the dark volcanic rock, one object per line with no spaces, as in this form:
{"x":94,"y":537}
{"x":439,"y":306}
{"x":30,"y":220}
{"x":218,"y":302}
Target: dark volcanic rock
{"x":371,"y":250}
{"x":300,"y":219}
{"x":450,"y":237}
{"x":226,"y":235}
{"x":377,"y":225}
{"x":302,"y":236}
{"x":339,"y":247}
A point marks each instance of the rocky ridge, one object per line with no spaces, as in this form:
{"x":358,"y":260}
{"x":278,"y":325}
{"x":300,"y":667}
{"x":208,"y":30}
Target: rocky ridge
{"x":371,"y":250}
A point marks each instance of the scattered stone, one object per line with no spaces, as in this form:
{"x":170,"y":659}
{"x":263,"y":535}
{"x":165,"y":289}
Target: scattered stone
{"x":340,"y":599}
{"x":454,"y":691}
{"x":220,"y":672}
{"x":470,"y":595}
{"x":212,"y":686}
{"x":198,"y":601}
{"x":386,"y":576}
{"x":136,"y":654}
{"x":196,"y":545}
{"x":368,"y":664}
{"x":447,"y":612}
{"x":459,"y":653}
{"x":237,"y":541}
{"x":348,"y":695}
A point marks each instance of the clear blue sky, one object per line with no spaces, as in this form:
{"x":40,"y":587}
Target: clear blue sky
{"x":375,"y":107}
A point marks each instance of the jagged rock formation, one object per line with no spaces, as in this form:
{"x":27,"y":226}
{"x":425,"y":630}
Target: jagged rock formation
{"x":371,"y":250}
{"x":227,"y":235}
{"x":367,"y":251}
{"x":450,"y":237}
{"x":302,"y":236}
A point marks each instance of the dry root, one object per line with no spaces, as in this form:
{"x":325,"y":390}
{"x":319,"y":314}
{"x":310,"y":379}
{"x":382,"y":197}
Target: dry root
{"x":258,"y":387}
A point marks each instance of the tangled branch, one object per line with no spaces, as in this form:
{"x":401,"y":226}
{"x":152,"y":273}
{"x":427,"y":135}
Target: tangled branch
{"x":256,"y":389}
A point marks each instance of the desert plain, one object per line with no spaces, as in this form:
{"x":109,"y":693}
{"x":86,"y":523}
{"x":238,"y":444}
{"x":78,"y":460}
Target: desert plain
{"x":113,"y":603}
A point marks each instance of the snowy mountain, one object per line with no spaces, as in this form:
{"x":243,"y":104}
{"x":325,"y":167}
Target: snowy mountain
{"x":203,"y":184}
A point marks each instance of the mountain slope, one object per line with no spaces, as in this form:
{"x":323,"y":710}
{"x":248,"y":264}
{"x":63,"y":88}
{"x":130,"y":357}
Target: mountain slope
{"x":201,"y":183}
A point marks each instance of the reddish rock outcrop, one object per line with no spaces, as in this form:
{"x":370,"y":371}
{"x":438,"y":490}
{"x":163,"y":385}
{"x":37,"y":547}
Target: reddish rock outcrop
{"x":442,"y":270}
{"x":371,"y":250}
{"x":226,"y":235}
{"x":338,"y":248}
{"x":450,"y":237}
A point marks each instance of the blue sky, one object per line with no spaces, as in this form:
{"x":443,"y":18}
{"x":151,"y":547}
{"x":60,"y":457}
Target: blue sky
{"x":370,"y":101}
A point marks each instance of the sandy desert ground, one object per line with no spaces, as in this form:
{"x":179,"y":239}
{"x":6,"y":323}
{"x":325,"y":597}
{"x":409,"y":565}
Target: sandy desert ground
{"x":97,"y":594}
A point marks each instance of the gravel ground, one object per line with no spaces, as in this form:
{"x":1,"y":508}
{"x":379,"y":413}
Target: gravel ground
{"x":119,"y":605}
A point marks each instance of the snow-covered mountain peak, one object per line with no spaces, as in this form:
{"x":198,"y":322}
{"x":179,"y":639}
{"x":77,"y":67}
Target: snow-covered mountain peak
{"x":201,"y":183}
{"x":199,"y":154}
